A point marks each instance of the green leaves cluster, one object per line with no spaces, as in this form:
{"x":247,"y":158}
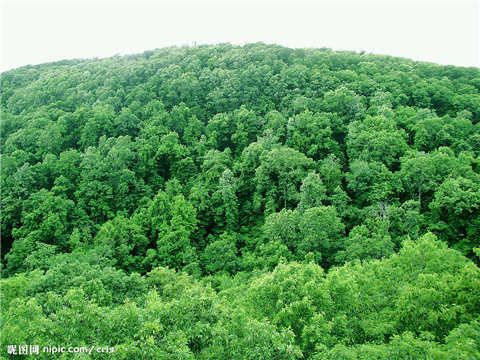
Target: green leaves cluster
{"x":242,"y":202}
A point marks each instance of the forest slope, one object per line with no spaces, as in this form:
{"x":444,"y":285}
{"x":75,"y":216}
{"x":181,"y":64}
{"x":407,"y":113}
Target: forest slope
{"x":242,"y":202}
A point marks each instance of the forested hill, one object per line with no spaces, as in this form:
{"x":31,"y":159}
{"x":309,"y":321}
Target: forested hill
{"x":230,"y":202}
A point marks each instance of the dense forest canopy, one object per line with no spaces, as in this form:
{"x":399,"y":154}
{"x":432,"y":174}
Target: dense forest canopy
{"x":242,"y":202}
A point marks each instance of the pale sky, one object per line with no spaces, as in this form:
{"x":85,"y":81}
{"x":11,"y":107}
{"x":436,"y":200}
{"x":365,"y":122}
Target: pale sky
{"x":34,"y":32}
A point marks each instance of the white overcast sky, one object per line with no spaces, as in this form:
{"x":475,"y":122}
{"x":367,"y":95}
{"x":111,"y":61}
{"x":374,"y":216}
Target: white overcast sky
{"x":441,"y":32}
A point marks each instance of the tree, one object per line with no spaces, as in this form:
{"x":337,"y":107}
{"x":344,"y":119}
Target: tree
{"x":344,"y":102}
{"x":320,"y":232}
{"x":312,"y":192}
{"x":367,"y":243}
{"x":278,"y":178}
{"x":315,"y":135}
{"x":46,"y":218}
{"x":316,"y":230}
{"x":289,"y":297}
{"x":221,"y":255}
{"x":248,"y":128}
{"x":227,"y":193}
{"x":417,"y":174}
{"x":127,"y":241}
{"x":376,"y":139}
{"x":169,"y":152}
{"x":171,"y":221}
{"x":331,"y":173}
{"x":370,"y":182}
{"x":194,"y":130}
{"x":455,"y":211}
{"x":127,"y":123}
{"x":100,"y":124}
{"x":283,"y":227}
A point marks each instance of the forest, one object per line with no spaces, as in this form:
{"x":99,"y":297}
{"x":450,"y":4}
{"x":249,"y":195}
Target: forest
{"x":241,"y":202}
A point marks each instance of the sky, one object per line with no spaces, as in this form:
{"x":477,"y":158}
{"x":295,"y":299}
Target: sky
{"x":34,"y":32}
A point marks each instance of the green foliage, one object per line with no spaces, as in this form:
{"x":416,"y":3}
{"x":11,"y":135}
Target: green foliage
{"x":221,"y":255}
{"x":129,"y":184}
{"x":169,"y":221}
{"x":376,"y":139}
{"x":408,"y":346}
{"x":126,"y":240}
{"x":194,"y":324}
{"x":100,"y":124}
{"x":366,"y":244}
{"x":317,"y":230}
{"x":290,"y":296}
{"x":421,"y":291}
{"x":278,"y":179}
{"x":312,"y":192}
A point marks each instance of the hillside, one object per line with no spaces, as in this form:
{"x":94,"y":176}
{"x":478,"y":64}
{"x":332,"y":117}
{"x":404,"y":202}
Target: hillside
{"x":230,"y":202}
